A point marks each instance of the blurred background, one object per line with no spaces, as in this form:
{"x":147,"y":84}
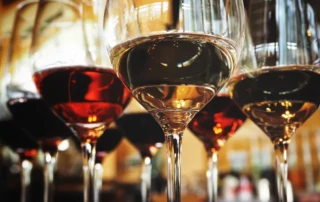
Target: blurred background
{"x":246,"y":162}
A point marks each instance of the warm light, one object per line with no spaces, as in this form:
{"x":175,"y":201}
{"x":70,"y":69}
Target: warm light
{"x":147,"y":160}
{"x":220,"y":142}
{"x":153,"y":150}
{"x":64,"y":145}
{"x":287,"y":115}
{"x":92,"y":118}
{"x":180,"y":103}
{"x":217,"y":129}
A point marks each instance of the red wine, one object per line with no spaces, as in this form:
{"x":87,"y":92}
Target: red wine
{"x":216,"y":122}
{"x":36,"y":117}
{"x":18,"y":139}
{"x":107,"y":143}
{"x":174,"y":72}
{"x":143,"y":131}
{"x":278,"y":100}
{"x":84,"y":97}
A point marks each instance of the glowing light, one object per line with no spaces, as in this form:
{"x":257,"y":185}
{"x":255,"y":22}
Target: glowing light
{"x":92,"y":118}
{"x":147,"y":160}
{"x":153,"y":150}
{"x":217,"y":129}
{"x":64,"y":145}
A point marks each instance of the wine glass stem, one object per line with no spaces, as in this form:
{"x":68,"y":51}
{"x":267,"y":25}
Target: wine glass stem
{"x":26,"y":168}
{"x":212,"y":177}
{"x":48,"y":174}
{"x":98,"y":172}
{"x":88,"y":155}
{"x":174,"y":141}
{"x":281,"y":151}
{"x":146,"y":179}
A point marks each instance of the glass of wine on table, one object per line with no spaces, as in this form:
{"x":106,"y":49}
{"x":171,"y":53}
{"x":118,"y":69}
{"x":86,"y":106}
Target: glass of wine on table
{"x":214,"y":125}
{"x":28,"y":110}
{"x":277,"y":94}
{"x":87,"y":97}
{"x":174,"y":56}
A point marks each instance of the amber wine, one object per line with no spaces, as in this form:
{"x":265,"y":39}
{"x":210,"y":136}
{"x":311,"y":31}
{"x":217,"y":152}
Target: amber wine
{"x":174,"y":72}
{"x":278,"y":100}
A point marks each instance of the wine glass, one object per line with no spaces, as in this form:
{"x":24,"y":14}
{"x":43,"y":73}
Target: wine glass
{"x":21,"y":142}
{"x":105,"y":145}
{"x":27,"y":109}
{"x":214,"y":125}
{"x":174,"y":56}
{"x":85,"y":96}
{"x":277,"y":94}
{"x":146,"y":135}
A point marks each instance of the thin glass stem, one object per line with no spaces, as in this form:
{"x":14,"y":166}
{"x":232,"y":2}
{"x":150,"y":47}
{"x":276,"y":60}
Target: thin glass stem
{"x":146,"y":179}
{"x":212,"y":177}
{"x":26,"y":168}
{"x":88,"y":155}
{"x":174,"y":141}
{"x":48,"y":173}
{"x":98,"y":172}
{"x":281,"y":150}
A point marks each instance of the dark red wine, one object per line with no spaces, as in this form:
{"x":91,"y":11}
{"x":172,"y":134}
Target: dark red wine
{"x":107,"y":143}
{"x":36,"y":117}
{"x":216,"y":122}
{"x":85,"y":97}
{"x":18,"y":139}
{"x":143,"y":131}
{"x":278,"y":100}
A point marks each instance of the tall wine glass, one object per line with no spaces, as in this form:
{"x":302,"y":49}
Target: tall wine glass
{"x":146,"y":135}
{"x":214,"y":125}
{"x":174,"y":56}
{"x":85,"y":96}
{"x":27,"y":109}
{"x":105,"y":145}
{"x":21,"y":142}
{"x":277,"y":94}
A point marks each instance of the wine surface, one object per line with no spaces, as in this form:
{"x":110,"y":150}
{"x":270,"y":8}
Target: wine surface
{"x":216,"y":122}
{"x":35,"y":116}
{"x":84,"y":97}
{"x":143,"y":131}
{"x":278,"y":100}
{"x":174,"y":72}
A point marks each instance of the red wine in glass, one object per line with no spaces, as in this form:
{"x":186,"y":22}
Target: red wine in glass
{"x":213,"y":125}
{"x":36,"y":117}
{"x":84,"y":97}
{"x":216,"y":122}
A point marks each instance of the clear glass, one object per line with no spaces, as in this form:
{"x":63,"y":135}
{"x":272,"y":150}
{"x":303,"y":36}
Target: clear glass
{"x":277,"y":93}
{"x":174,"y":56}
{"x":67,"y":72}
{"x":22,"y":97}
